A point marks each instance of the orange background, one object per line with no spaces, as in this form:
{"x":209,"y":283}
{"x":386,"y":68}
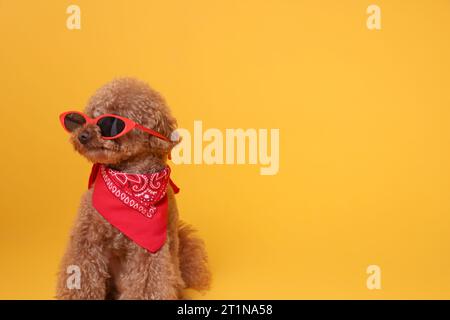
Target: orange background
{"x":364,"y":137}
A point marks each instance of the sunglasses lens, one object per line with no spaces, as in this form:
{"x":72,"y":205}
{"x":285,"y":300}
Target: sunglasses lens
{"x":73,"y":121}
{"x":110,"y":126}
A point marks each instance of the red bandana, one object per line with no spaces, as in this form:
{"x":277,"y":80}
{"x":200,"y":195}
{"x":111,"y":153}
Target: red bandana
{"x":136,"y":204}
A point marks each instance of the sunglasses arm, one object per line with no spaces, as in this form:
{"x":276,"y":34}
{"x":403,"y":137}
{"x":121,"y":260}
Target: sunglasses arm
{"x":152,"y":132}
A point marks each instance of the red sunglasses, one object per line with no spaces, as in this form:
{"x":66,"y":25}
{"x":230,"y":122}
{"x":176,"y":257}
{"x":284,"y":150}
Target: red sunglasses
{"x":111,"y":126}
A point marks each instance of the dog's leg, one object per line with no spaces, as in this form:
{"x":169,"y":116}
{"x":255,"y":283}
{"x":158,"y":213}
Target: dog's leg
{"x":83,"y":273}
{"x":173,"y":238}
{"x":149,"y":276}
{"x":84,"y":269}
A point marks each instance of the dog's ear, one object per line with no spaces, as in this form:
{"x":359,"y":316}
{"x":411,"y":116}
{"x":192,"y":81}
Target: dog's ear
{"x":165,"y":124}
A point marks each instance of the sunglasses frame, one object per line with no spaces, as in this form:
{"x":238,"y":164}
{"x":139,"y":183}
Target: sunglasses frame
{"x":129,"y":125}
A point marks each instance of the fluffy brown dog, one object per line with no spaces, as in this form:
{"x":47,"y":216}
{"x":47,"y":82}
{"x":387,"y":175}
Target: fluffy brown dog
{"x":112,"y":266}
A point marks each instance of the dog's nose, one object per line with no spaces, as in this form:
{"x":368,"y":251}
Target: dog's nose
{"x":84,"y":137}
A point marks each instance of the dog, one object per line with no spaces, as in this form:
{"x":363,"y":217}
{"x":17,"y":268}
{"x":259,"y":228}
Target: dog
{"x":111,"y":264}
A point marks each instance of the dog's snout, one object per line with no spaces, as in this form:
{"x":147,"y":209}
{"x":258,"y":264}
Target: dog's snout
{"x":84,"y":137}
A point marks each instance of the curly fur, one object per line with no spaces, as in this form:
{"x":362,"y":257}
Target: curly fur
{"x":193,"y":259}
{"x":111,"y":265}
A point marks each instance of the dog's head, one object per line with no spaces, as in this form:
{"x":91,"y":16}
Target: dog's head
{"x":132,"y":99}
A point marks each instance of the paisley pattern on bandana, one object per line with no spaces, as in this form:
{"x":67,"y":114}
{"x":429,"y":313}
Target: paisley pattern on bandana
{"x":135,"y":204}
{"x":140,"y":192}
